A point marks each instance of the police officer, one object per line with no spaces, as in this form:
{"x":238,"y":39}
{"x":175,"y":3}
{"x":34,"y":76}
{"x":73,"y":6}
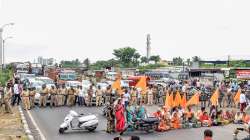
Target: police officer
{"x":53,"y":97}
{"x":43,"y":96}
{"x":64,"y":92}
{"x":59,"y":96}
{"x":98,"y":96}
{"x":7,"y":98}
{"x":71,"y":96}
{"x":32,"y":96}
{"x":26,"y":100}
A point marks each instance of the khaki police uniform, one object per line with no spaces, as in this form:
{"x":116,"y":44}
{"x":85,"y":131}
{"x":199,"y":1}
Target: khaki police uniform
{"x":64,"y":93}
{"x":6,"y":100}
{"x":71,"y":97}
{"x":53,"y":99}
{"x":32,"y":98}
{"x":26,"y":100}
{"x":98,"y":97}
{"x":43,"y":97}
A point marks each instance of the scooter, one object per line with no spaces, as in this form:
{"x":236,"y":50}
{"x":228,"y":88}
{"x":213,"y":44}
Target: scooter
{"x":84,"y":122}
{"x":148,"y":124}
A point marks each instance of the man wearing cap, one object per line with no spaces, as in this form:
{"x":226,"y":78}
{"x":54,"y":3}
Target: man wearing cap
{"x":71,"y":96}
{"x":43,"y":96}
{"x":26,"y":101}
{"x":32,"y":96}
{"x":53,"y":95}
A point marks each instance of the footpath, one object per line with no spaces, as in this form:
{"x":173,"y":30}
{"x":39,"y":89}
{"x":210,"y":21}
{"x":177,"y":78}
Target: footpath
{"x":11,"y":127}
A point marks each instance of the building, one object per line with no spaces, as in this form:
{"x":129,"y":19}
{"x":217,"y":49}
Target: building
{"x":45,"y":61}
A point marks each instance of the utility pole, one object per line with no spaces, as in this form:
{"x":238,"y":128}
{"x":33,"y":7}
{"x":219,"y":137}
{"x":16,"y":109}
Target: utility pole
{"x":148,"y":46}
{"x":228,"y":61}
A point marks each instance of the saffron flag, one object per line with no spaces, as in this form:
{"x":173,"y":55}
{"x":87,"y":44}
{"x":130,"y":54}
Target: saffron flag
{"x":237,"y":96}
{"x":184,"y":101}
{"x":142,"y":84}
{"x":177,"y":99}
{"x":215,"y":97}
{"x":166,"y":100}
{"x":194,"y":100}
{"x":171,"y":100}
{"x":117,"y":86}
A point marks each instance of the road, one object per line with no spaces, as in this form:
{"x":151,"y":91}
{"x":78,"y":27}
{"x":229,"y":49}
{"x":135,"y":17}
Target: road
{"x":49,"y":119}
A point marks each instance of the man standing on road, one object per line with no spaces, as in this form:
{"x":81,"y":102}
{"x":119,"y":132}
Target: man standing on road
{"x":64,"y":93}
{"x":26,"y":101}
{"x":71,"y":96}
{"x":150,"y":96}
{"x":43,"y":96}
{"x":98,"y":96}
{"x":32,"y":96}
{"x":59,"y":96}
{"x":110,"y":118}
{"x":17,"y":92}
{"x":53,"y":97}
{"x":90,"y":95}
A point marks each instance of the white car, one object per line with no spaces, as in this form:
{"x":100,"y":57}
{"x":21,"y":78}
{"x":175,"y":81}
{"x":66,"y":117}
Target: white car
{"x":86,"y":84}
{"x":49,"y":82}
{"x":73,"y":84}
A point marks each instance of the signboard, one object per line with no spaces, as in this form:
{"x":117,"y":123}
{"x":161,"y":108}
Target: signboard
{"x":243,"y":74}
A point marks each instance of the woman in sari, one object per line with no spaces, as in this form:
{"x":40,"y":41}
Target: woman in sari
{"x":119,"y":115}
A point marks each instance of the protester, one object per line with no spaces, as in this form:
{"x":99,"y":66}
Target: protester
{"x":17,"y":92}
{"x":110,"y":119}
{"x":81,"y":100}
{"x":208,"y":134}
{"x":119,"y":114}
{"x":134,"y":138}
{"x":243,"y":101}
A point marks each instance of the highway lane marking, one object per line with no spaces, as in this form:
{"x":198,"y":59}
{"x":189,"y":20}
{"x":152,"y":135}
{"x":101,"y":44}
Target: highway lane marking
{"x":36,"y":126}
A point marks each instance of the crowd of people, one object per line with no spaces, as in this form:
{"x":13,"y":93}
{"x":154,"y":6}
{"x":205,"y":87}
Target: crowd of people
{"x":131,"y":103}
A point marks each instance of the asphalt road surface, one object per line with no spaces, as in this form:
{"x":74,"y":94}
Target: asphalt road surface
{"x":49,"y":119}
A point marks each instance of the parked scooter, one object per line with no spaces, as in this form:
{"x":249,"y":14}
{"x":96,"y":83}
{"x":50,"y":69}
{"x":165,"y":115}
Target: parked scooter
{"x":84,"y":122}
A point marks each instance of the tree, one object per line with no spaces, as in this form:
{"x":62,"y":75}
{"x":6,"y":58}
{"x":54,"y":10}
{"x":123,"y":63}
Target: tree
{"x":178,"y":61}
{"x":136,"y":57}
{"x":196,"y":59}
{"x":144,"y":59}
{"x":86,"y":62}
{"x":155,"y":58}
{"x":126,"y":56}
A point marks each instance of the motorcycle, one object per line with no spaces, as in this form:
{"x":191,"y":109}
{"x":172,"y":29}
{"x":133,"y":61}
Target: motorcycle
{"x":148,"y":124}
{"x":84,"y":122}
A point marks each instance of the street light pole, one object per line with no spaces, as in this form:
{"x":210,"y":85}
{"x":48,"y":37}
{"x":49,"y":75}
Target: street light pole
{"x":4,"y":41}
{"x":1,"y":42}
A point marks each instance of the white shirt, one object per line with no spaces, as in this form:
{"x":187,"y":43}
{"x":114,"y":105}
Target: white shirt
{"x":16,"y":89}
{"x":126,"y":97}
{"x":81,"y":93}
{"x":243,"y":98}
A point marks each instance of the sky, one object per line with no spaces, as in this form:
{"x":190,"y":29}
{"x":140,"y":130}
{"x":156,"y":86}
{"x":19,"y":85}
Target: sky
{"x":70,"y":29}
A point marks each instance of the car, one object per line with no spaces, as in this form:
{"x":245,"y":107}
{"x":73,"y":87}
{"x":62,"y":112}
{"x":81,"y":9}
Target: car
{"x":49,"y":82}
{"x":73,"y":84}
{"x":86,"y":84}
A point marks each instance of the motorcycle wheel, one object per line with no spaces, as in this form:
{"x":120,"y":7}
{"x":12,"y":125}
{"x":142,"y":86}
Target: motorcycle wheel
{"x":91,"y":129}
{"x":61,"y":130}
